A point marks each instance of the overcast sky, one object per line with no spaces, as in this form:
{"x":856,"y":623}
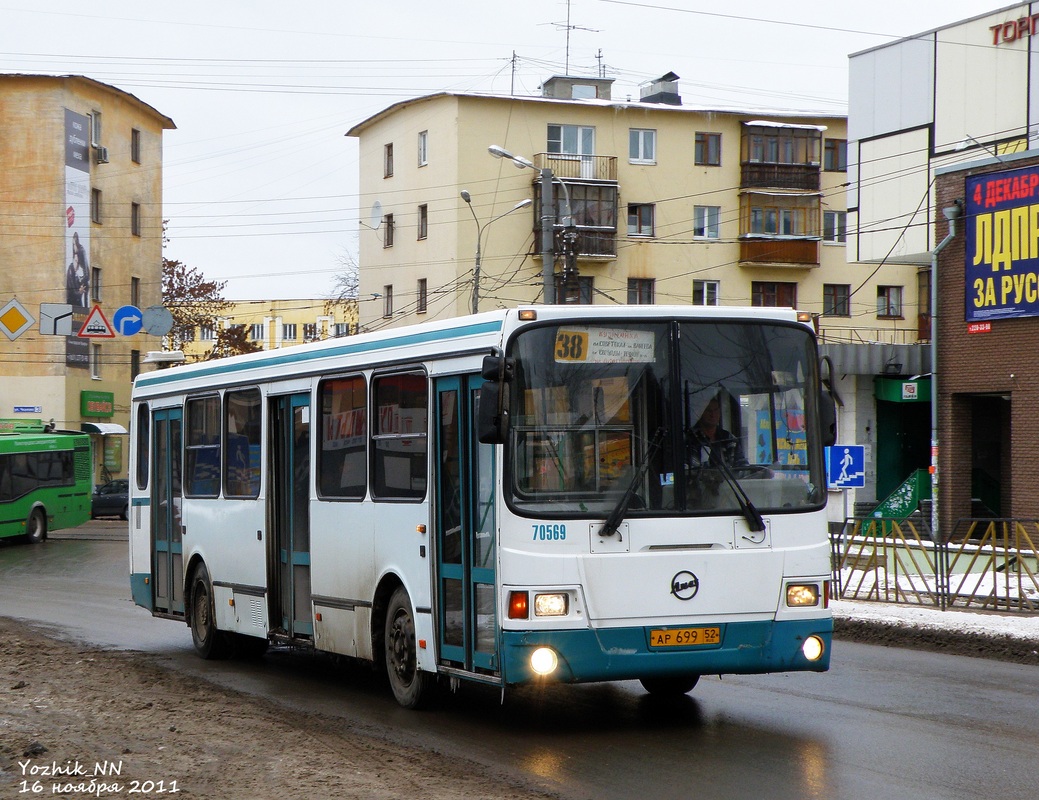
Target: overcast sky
{"x":260,"y":182}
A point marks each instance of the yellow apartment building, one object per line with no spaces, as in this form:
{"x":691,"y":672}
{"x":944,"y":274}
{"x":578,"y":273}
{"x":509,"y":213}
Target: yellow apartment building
{"x":80,"y":229}
{"x":651,"y":201}
{"x":272,"y":324}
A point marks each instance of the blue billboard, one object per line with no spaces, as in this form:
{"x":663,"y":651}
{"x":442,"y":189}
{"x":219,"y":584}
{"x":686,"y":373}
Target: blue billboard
{"x":1002,"y":245}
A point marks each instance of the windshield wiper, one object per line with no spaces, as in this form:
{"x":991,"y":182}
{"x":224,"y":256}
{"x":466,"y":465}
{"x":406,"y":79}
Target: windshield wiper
{"x":752,"y":515}
{"x":613,"y":521}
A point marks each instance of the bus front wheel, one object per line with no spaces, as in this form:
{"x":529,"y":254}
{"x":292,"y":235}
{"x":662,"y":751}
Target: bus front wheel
{"x":36,"y":526}
{"x":673,"y":686}
{"x":209,"y":642}
{"x":409,"y":683}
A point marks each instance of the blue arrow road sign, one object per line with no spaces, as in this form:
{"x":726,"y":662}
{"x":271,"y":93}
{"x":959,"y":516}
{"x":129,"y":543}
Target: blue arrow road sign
{"x":128,"y":320}
{"x":846,"y":466}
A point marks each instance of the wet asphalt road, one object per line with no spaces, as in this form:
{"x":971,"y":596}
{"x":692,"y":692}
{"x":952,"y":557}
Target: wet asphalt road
{"x":884,"y":722}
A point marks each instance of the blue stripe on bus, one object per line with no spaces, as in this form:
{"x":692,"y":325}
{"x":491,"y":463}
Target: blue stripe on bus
{"x":616,"y":654}
{"x":309,"y":354}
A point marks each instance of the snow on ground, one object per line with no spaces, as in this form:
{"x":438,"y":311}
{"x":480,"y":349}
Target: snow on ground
{"x":989,"y":623}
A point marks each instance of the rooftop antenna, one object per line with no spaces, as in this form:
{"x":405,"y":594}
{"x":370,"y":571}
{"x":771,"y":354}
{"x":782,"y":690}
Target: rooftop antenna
{"x":569,"y":28}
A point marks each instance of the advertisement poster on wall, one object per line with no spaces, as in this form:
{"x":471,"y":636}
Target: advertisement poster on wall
{"x":77,"y":229}
{"x":1002,"y":245}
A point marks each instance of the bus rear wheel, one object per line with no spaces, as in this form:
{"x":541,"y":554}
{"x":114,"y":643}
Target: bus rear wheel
{"x":209,"y":642}
{"x":36,"y":526}
{"x":670,"y":686}
{"x":409,"y":683}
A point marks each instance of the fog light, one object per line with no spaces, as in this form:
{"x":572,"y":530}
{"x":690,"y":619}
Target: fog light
{"x":813,"y":648}
{"x":543,"y":661}
{"x":798,"y":594}
{"x":550,"y":605}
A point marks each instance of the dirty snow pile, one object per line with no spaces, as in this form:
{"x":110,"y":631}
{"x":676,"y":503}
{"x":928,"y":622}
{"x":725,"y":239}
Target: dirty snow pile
{"x":1018,"y":626}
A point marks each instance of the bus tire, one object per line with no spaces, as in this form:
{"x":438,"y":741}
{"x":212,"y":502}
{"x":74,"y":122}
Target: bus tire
{"x":409,"y":683}
{"x":36,"y":526}
{"x":209,"y":642}
{"x":671,"y":686}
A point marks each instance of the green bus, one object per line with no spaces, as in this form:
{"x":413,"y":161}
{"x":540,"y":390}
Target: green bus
{"x":45,"y":482}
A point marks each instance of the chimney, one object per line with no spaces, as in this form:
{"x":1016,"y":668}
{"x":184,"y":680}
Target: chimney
{"x":663,"y":90}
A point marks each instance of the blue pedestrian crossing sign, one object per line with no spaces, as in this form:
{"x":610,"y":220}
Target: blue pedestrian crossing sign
{"x":846,"y":466}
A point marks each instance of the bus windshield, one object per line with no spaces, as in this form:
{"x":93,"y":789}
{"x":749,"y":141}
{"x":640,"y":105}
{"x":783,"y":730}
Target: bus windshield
{"x":686,"y":416}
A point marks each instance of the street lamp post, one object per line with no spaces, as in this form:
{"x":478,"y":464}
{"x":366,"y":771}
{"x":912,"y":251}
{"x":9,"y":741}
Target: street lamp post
{"x":479,"y":235}
{"x":548,"y":215}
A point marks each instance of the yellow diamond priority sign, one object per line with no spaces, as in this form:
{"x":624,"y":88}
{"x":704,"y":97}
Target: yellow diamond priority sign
{"x":15,"y":320}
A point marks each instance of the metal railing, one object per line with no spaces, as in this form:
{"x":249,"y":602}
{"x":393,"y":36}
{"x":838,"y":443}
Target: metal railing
{"x":991,"y":564}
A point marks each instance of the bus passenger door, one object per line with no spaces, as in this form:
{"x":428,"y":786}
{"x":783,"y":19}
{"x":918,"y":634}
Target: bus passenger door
{"x":291,"y":610}
{"x":464,"y":527}
{"x":167,"y":528}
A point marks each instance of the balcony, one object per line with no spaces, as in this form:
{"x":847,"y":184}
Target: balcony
{"x":803,"y":177}
{"x":779,"y":252}
{"x":578,"y":167}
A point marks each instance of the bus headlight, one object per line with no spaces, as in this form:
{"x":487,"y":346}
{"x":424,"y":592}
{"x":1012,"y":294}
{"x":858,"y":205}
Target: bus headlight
{"x":551,"y":605}
{"x":544,"y":661}
{"x":813,"y":648}
{"x":802,"y":594}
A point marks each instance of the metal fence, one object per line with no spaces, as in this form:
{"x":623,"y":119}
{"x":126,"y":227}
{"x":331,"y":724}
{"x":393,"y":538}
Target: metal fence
{"x":988,"y":564}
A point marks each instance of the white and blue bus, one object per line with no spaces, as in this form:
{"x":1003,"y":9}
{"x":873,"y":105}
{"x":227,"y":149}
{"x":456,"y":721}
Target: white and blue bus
{"x":528,"y":495}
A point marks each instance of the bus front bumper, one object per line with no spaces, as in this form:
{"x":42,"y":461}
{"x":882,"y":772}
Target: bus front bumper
{"x":612,"y":654}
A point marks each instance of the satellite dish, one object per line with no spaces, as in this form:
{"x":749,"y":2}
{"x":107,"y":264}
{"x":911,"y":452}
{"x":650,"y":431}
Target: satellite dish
{"x":375,"y":216}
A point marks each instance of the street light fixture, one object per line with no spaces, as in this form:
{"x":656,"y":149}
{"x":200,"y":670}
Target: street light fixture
{"x":547,"y":216}
{"x":480,"y":228}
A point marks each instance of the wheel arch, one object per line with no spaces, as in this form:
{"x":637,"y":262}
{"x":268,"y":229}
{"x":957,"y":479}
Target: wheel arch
{"x":388,"y":584}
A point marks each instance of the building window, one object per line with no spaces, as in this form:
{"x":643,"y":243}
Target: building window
{"x":422,"y":296}
{"x":708,"y":149}
{"x":578,"y":290}
{"x":135,"y":219}
{"x":640,"y":219}
{"x":387,"y":238}
{"x":288,"y":331}
{"x":889,"y":302}
{"x":770,"y":145}
{"x":773,"y":221}
{"x":773,"y":294}
{"x":642,"y":146}
{"x":423,"y":148}
{"x":423,"y":221}
{"x":135,"y":146}
{"x":641,"y":291}
{"x":706,"y":221}
{"x":387,"y":300}
{"x":95,"y":206}
{"x":342,"y":329}
{"x":206,"y":333}
{"x":705,"y":293}
{"x":835,"y":155}
{"x":95,"y":128}
{"x":135,"y":292}
{"x":95,"y":284}
{"x":309,"y":331}
{"x":256,"y":331}
{"x":836,"y":300}
{"x":387,"y":161}
{"x":576,"y":140}
{"x":835,"y":227}
{"x":95,"y":362}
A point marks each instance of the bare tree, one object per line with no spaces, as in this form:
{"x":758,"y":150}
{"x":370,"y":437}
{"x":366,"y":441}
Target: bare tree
{"x":345,"y":284}
{"x":193,"y":301}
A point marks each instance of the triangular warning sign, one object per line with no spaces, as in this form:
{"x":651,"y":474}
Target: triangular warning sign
{"x":97,"y":326}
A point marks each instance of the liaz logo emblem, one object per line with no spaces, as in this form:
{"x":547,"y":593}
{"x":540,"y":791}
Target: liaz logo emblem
{"x":685,"y":585}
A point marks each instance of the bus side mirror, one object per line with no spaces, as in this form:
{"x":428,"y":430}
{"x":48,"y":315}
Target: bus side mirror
{"x":827,"y":418}
{"x":492,"y":423}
